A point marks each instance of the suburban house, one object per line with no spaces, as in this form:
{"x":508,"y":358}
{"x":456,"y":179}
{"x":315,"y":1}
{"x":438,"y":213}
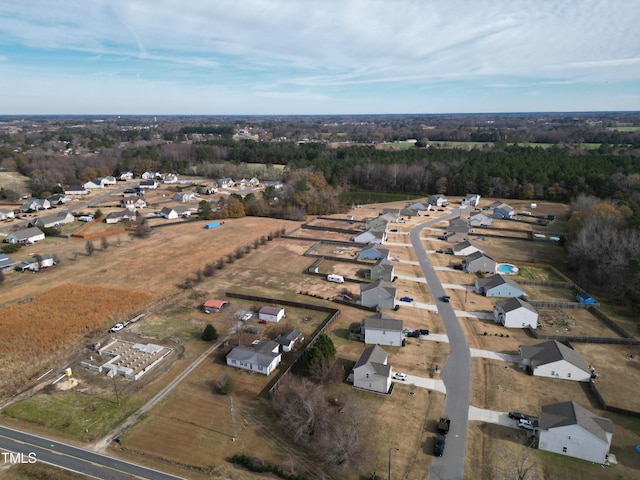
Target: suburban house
{"x":379,"y":223}
{"x":263,"y":357}
{"x":76,"y":190}
{"x":109,"y":180}
{"x":503,"y":211}
{"x":126,"y":176}
{"x":35,"y":204}
{"x":225,"y":183}
{"x":54,"y":220}
{"x":35,"y":263}
{"x":214,"y":305}
{"x":288,"y":340}
{"x":471,"y":200}
{"x":57,"y":199}
{"x":380,"y":329}
{"x":6,"y":263}
{"x":382,"y":270}
{"x":419,"y":206}
{"x":5,"y":214}
{"x":25,"y":236}
{"x":457,"y":231}
{"x":149,"y":184}
{"x":479,"y":219}
{"x":438,"y":200}
{"x":170,"y":178}
{"x":132,"y":192}
{"x":370,"y":236}
{"x":570,"y":429}
{"x":175,"y":212}
{"x":375,"y":252}
{"x":123,"y":216}
{"x":371,"y":371}
{"x":378,"y":294}
{"x":271,"y":314}
{"x":149,"y":175}
{"x":210,"y":189}
{"x":184,"y":196}
{"x":133,"y":203}
{"x":498,"y":286}
{"x":464,"y":248}
{"x":96,"y":183}
{"x":515,"y":313}
{"x":478,"y":262}
{"x":554,"y":360}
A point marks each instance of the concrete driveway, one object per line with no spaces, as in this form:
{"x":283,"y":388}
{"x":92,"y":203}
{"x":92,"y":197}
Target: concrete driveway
{"x":421,"y":382}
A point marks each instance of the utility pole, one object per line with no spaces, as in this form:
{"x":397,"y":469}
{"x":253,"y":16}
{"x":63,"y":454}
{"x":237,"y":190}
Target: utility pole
{"x":233,"y":419}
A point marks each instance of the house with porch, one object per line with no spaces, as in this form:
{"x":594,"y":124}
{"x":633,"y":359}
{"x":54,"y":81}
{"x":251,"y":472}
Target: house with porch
{"x":371,"y":371}
{"x":553,"y":359}
{"x":263,"y":357}
{"x":515,"y":313}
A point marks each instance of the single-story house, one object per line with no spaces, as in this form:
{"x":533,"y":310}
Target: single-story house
{"x":149,"y":175}
{"x":288,"y":340}
{"x":184,"y":196}
{"x":382,"y":270}
{"x":374,"y":252}
{"x":554,"y":360}
{"x":471,"y":200}
{"x":132,"y":192}
{"x":170,"y":178}
{"x":478,"y":262}
{"x":419,"y":206}
{"x":498,"y":286}
{"x":570,"y":429}
{"x":503,"y":211}
{"x":378,"y":294}
{"x":210,"y":189}
{"x":380,"y":329}
{"x":262,"y":357}
{"x":133,"y":203}
{"x":370,"y":236}
{"x":438,"y":200}
{"x":123,"y":216}
{"x":271,"y":314}
{"x":54,"y":220}
{"x":6,"y":213}
{"x":214,"y":306}
{"x":515,"y":313}
{"x":371,"y":371}
{"x":226,"y":183}
{"x":109,"y":180}
{"x":58,"y":199}
{"x":148,"y":184}
{"x":35,"y":263}
{"x":96,"y":183}
{"x":378,"y":224}
{"x":6,"y":263}
{"x":175,"y":212}
{"x":76,"y":190}
{"x":35,"y":204}
{"x":126,"y":176}
{"x":25,"y":236}
{"x":464,"y":248}
{"x":479,"y":219}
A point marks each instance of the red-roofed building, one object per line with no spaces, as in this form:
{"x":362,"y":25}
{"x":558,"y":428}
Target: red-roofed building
{"x":214,"y":306}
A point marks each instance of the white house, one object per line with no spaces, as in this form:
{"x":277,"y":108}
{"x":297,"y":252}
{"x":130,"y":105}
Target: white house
{"x":271,"y":314}
{"x":378,"y":294}
{"x":515,"y":313}
{"x":479,"y":219}
{"x":380,"y":329}
{"x":175,"y":212}
{"x":471,"y":200}
{"x":226,"y":183}
{"x":35,"y":263}
{"x":438,"y":200}
{"x":35,"y":204}
{"x":554,"y":360}
{"x":133,"y":203}
{"x":498,"y":286}
{"x":149,"y":184}
{"x":108,"y":180}
{"x":170,"y":178}
{"x":58,"y":199}
{"x":123,"y":216}
{"x":54,"y":220}
{"x":288,"y":340}
{"x":76,"y":190}
{"x":184,"y":196}
{"x":371,"y":371}
{"x":126,"y":176}
{"x":96,"y":183}
{"x":262,"y":357}
{"x":570,"y":429}
{"x":6,"y":213}
{"x":464,"y":248}
{"x":25,"y":236}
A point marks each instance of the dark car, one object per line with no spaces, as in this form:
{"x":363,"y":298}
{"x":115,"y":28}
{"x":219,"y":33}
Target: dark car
{"x":446,"y":298}
{"x":518,"y":416}
{"x":406,"y":299}
{"x":438,"y":448}
{"x":423,"y":331}
{"x":414,"y":334}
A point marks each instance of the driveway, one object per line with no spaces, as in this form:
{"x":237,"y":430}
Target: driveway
{"x":421,"y":382}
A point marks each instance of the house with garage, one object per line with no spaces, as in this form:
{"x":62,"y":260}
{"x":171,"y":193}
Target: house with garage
{"x":553,"y":359}
{"x":25,"y":236}
{"x":570,"y":429}
{"x":6,"y":263}
{"x":126,"y":176}
{"x":58,"y":199}
{"x":464,"y":248}
{"x":382,"y":270}
{"x":471,"y":200}
{"x":214,"y":306}
{"x":419,"y":206}
{"x":479,"y":262}
{"x":371,"y":371}
{"x":379,"y":223}
{"x":381,"y":329}
{"x":515,"y":313}
{"x":184,"y":196}
{"x":170,"y":178}
{"x":35,"y":263}
{"x":54,"y":220}
{"x":149,"y":175}
{"x":289,"y":340}
{"x":108,"y":180}
{"x":6,"y":214}
{"x":370,"y":236}
{"x":271,"y":314}
{"x":379,"y":294}
{"x":76,"y":190}
{"x":35,"y":204}
{"x":123,"y":216}
{"x":175,"y":212}
{"x":438,"y":200}
{"x":503,"y":211}
{"x":133,"y":203}
{"x":374,"y":252}
{"x":226,"y":183}
{"x":148,"y":184}
{"x":93,"y":184}
{"x":498,"y":286}
{"x":479,"y":219}
{"x":263,"y":357}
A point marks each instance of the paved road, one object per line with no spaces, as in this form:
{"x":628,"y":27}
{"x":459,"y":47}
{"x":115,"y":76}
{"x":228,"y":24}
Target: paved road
{"x":72,"y":458}
{"x":456,"y":373}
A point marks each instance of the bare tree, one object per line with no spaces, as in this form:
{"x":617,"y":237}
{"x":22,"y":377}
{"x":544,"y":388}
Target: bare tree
{"x":105,"y":243}
{"x":518,"y":467}
{"x":89,"y":247}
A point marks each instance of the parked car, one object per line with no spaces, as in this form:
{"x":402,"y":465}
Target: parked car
{"x":525,"y":423}
{"x":438,"y":448}
{"x":247,"y":316}
{"x":446,"y":298}
{"x":439,"y":251}
{"x":393,"y":230}
{"x":117,"y":327}
{"x":443,"y":425}
{"x":400,"y":376}
{"x":518,"y":416}
{"x":423,"y":331}
{"x":406,"y":299}
{"x":414,"y":334}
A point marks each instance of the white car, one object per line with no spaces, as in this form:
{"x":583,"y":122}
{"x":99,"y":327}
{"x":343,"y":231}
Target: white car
{"x":117,"y":327}
{"x":247,"y":316}
{"x":526,"y":424}
{"x":400,"y":376}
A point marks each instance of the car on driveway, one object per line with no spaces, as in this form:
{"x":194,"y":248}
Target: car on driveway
{"x":424,"y":331}
{"x":117,"y":327}
{"x":518,"y":416}
{"x":414,"y":334}
{"x":400,"y":376}
{"x":247,"y":316}
{"x":525,"y":424}
{"x":406,"y":299}
{"x":438,"y":448}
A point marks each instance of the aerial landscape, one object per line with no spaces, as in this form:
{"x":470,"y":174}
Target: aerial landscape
{"x":304,"y":242}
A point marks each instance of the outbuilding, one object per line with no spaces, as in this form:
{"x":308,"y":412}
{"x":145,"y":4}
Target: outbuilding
{"x":271,"y":314}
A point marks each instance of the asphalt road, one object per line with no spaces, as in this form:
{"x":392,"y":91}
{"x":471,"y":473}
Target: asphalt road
{"x":39,"y":449}
{"x":456,"y":372}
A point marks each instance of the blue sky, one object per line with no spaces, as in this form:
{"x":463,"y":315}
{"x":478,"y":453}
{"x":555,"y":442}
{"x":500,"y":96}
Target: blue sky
{"x":318,"y":57}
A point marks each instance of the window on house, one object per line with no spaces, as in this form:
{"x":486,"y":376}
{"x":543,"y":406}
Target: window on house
{"x":552,"y":372}
{"x":367,"y":375}
{"x":564,"y":449}
{"x":569,"y":375}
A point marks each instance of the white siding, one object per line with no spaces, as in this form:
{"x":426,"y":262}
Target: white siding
{"x":564,"y":370}
{"x":574,"y":441}
{"x":519,"y":318}
{"x":383,"y":337}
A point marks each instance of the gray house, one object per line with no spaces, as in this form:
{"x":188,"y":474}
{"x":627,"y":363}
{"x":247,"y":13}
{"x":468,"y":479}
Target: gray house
{"x":378,"y":294}
{"x":471,"y":200}
{"x":478,"y":262}
{"x":479,"y":219}
{"x":262,"y":357}
{"x":380,"y":329}
{"x":54,"y":220}
{"x":553,"y":359}
{"x":438,"y":200}
{"x":498,"y":286}
{"x":374,"y":252}
{"x":370,"y":236}
{"x":503,"y":211}
{"x":25,"y":236}
{"x":6,"y":263}
{"x":371,"y":371}
{"x":457,"y":231}
{"x":382,"y":270}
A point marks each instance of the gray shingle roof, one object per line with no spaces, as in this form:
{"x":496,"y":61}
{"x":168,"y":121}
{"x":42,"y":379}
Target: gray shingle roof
{"x":386,"y":286}
{"x":570,"y":413}
{"x":495,"y":281}
{"x":381,"y":321}
{"x":552,"y":351}
{"x":514,"y":304}
{"x":372,"y":354}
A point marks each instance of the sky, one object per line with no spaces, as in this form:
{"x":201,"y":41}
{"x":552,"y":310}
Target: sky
{"x":281,"y":57}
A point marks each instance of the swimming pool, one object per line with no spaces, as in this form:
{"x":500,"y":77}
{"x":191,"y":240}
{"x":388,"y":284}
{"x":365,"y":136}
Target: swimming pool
{"x":507,"y":269}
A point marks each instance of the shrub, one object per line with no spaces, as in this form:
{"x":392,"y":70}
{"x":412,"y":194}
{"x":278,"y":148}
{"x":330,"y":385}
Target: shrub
{"x":210,"y":334}
{"x":227,"y":385}
{"x":11,"y":247}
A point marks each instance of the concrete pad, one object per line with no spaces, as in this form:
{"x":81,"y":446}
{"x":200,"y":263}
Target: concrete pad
{"x":505,"y":357}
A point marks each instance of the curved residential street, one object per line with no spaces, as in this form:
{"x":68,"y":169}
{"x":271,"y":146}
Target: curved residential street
{"x":456,"y":372}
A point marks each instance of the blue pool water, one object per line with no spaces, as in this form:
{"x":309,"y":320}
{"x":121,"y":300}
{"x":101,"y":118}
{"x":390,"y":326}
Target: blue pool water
{"x":507,"y":269}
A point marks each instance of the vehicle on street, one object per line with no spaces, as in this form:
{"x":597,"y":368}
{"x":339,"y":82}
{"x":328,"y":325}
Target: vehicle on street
{"x":247,"y":316}
{"x":438,"y":448}
{"x":406,"y":299}
{"x":518,"y":416}
{"x":446,"y":298}
{"x":117,"y":327}
{"x":443,"y":425}
{"x":400,"y":376}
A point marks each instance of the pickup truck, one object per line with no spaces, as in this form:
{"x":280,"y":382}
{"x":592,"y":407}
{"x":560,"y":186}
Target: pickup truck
{"x":443,"y":425}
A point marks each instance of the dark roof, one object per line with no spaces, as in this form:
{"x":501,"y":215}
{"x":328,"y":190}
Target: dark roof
{"x":386,"y":286}
{"x":270,"y":310}
{"x":381,"y":321}
{"x":495,"y":281}
{"x":475,"y":256}
{"x":372,"y":354}
{"x":384,"y":264}
{"x":514,"y":304}
{"x":288,"y":337}
{"x":552,"y":351}
{"x":570,"y":413}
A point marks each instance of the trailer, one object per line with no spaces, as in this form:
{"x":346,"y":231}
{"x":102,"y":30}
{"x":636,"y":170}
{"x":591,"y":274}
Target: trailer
{"x":215,"y":224}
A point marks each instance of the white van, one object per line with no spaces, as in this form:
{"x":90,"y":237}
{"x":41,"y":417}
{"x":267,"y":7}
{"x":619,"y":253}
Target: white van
{"x":335,"y":278}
